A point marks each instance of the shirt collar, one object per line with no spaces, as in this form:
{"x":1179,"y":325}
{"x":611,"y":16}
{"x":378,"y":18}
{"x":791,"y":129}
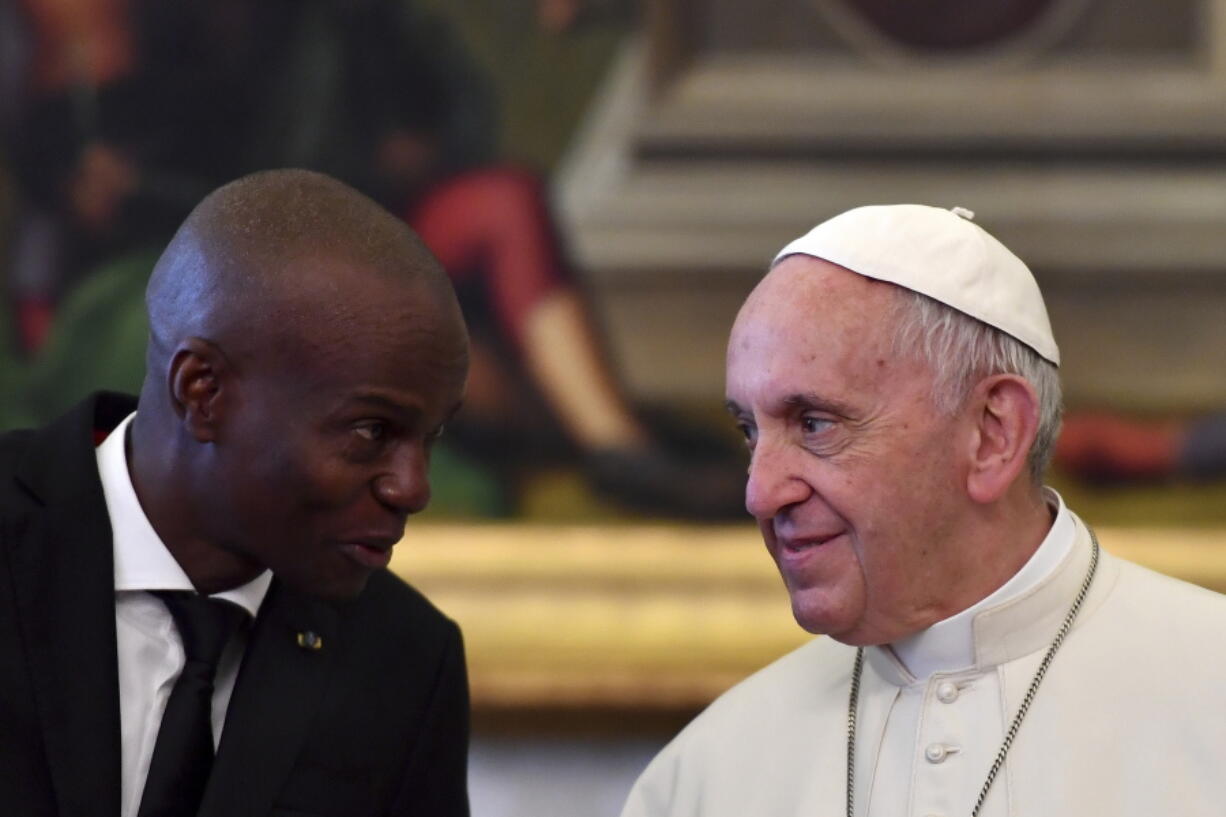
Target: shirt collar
{"x":950,"y":644}
{"x":142,"y":561}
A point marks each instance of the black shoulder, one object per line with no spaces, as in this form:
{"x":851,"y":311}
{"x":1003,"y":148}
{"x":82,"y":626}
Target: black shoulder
{"x":53,"y":460}
{"x":12,"y":445}
{"x":395,"y":608}
{"x":13,"y":448}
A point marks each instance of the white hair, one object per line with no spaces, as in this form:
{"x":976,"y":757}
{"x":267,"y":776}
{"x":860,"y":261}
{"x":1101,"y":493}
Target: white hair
{"x":961,"y":351}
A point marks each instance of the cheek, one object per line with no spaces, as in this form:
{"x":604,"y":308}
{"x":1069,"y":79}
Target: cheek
{"x":874,"y":503}
{"x":327,"y":503}
{"x":900,"y":534}
{"x":290,"y":492}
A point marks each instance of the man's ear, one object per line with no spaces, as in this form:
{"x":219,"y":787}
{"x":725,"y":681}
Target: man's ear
{"x":199,"y":380}
{"x":1006,"y":413}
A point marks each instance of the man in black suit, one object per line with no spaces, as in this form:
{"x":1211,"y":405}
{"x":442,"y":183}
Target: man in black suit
{"x":305,"y":351}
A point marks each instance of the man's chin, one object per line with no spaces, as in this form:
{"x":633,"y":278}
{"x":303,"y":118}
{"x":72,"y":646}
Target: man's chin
{"x":334,"y":589}
{"x":823,"y":616}
{"x":811,"y":622}
{"x":853,"y":634}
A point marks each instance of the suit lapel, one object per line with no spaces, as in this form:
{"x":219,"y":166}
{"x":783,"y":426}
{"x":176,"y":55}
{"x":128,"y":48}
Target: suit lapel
{"x":66,"y":603}
{"x":62,"y":560}
{"x":279,"y":689}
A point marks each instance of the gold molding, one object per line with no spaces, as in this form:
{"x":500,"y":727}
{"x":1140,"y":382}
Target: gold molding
{"x":649,"y":616}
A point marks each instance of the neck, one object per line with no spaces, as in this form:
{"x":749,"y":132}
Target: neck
{"x":1012,"y":532}
{"x":951,"y":642}
{"x":992,"y":544}
{"x":161,"y":479}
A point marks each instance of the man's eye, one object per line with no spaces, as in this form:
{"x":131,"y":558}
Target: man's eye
{"x":815,"y":425}
{"x":747,"y":431}
{"x":432,"y":437}
{"x":371,"y":432}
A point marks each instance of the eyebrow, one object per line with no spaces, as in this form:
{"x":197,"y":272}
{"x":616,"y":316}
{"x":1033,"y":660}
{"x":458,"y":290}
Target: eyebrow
{"x":408,"y":414}
{"x":815,"y":402}
{"x":395,"y":407}
{"x":803,"y":400}
{"x":806,"y":401}
{"x":387,"y":403}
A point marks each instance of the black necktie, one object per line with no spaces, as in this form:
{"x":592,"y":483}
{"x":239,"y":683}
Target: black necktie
{"x":183,"y":754}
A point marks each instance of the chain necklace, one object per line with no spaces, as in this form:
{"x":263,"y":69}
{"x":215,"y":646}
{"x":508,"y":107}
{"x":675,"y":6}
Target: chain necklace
{"x":858,"y":670}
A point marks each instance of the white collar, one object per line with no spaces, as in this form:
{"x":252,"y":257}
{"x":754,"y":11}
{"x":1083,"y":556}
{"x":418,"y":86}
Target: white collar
{"x":950,"y":644}
{"x":142,"y":561}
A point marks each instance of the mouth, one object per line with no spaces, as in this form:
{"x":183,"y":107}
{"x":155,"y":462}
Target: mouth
{"x":797,"y":547}
{"x":374,"y":554}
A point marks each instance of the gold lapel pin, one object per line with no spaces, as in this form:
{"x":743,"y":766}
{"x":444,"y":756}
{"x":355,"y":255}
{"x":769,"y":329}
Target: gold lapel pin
{"x":310,"y":640}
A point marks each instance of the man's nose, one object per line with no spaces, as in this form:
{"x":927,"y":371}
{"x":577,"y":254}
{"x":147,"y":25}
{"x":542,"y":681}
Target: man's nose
{"x":773,"y":482}
{"x":405,"y":486}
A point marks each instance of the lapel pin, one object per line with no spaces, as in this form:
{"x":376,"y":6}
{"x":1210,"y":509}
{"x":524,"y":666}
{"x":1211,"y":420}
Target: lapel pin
{"x":310,"y":640}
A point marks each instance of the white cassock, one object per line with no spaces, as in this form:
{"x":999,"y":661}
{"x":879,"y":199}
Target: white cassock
{"x":1130,"y":719}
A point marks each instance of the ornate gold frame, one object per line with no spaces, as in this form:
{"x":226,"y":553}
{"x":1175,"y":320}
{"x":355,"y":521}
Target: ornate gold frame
{"x":649,"y":617}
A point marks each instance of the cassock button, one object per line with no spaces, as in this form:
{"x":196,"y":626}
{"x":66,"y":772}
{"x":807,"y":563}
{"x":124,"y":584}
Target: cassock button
{"x":937,"y":752}
{"x":947,"y":692}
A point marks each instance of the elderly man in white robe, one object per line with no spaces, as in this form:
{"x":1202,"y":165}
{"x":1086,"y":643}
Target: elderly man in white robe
{"x":895,"y":378}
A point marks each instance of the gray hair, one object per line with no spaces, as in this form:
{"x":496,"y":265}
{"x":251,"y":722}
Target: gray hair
{"x":961,"y":351}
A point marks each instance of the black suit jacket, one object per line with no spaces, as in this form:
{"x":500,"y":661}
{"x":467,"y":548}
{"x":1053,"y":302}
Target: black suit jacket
{"x":373,"y":723}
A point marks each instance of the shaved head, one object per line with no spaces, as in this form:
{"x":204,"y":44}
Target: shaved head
{"x":234,"y":272}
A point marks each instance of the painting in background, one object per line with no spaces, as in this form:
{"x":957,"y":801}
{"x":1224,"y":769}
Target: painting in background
{"x":606,"y":180}
{"x":1086,"y":134}
{"x":122,"y":114}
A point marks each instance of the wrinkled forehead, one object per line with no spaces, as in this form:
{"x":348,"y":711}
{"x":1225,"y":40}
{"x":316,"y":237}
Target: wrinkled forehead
{"x":810,"y":297}
{"x":811,"y":327}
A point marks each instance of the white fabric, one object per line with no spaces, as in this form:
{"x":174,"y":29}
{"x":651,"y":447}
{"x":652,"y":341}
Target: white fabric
{"x":150,"y":654}
{"x":941,"y":254}
{"x":949,"y":646}
{"x":1129,"y":720}
{"x":951,"y":643}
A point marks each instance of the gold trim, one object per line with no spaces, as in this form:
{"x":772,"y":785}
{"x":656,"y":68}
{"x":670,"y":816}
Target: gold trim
{"x":650,"y":616}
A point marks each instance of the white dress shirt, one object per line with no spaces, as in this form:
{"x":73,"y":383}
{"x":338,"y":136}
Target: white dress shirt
{"x":150,"y":655}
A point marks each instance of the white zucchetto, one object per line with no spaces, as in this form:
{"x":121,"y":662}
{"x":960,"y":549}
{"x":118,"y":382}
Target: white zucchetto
{"x":939,"y":253}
